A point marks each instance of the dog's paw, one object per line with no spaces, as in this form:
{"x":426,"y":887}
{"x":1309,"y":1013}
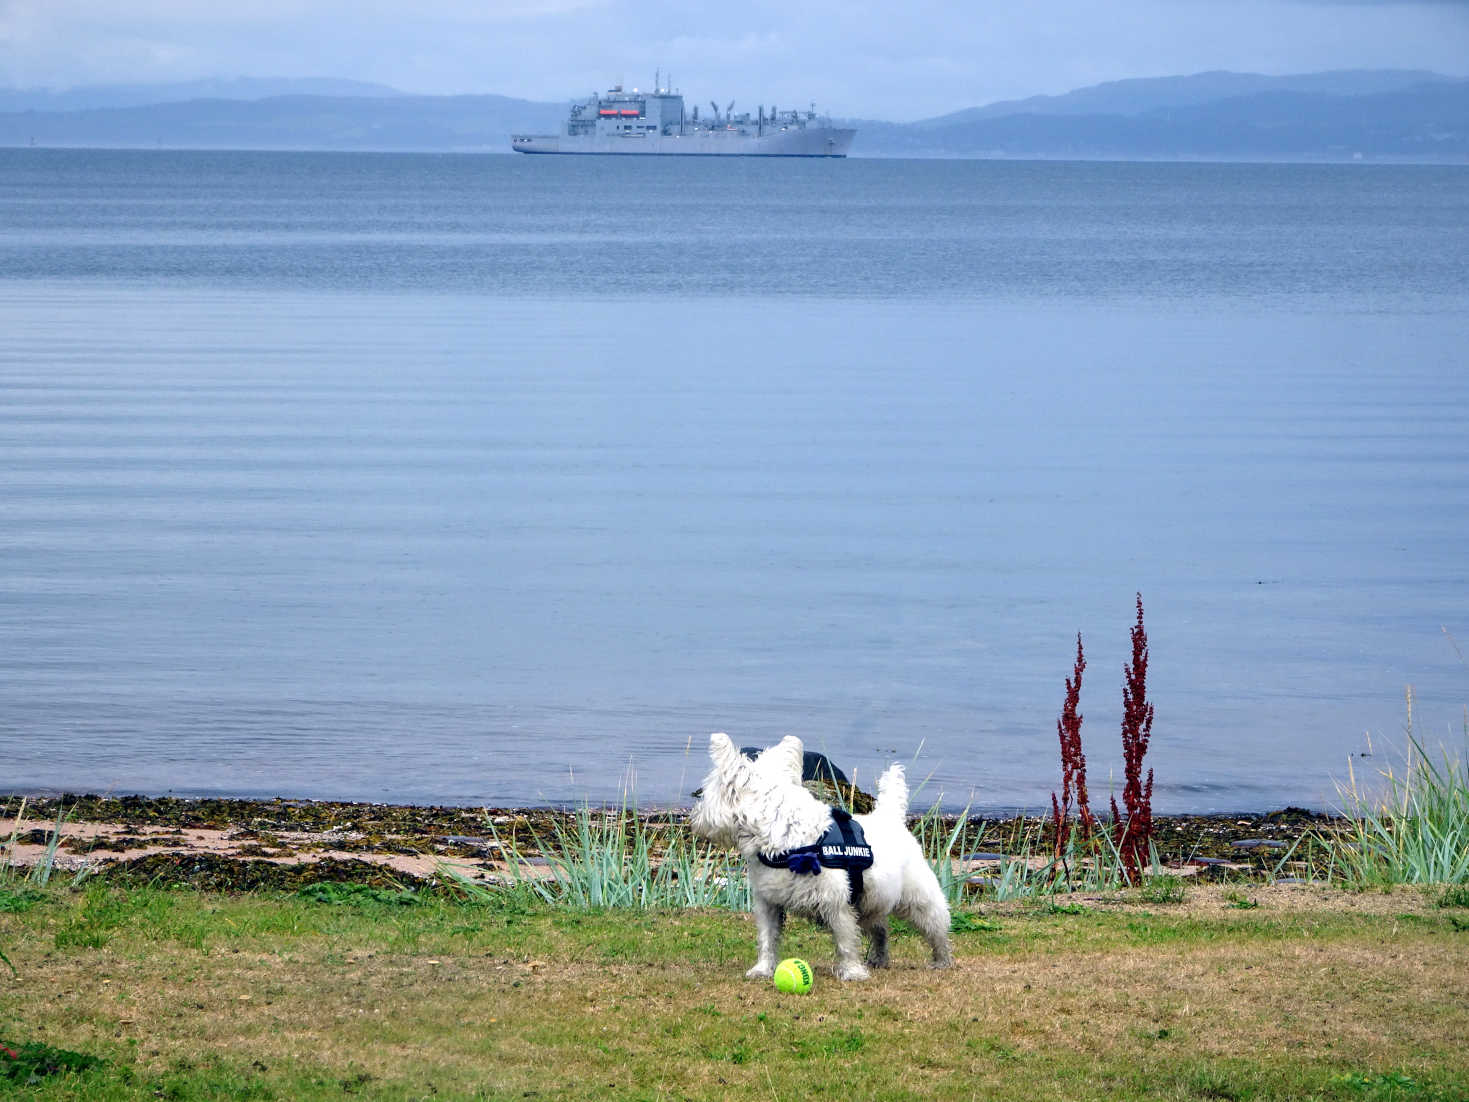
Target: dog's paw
{"x":942,"y":963}
{"x":760,"y":972}
{"x":846,"y":972}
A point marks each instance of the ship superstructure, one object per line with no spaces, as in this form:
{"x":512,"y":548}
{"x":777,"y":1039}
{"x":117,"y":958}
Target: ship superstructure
{"x":623,"y":122}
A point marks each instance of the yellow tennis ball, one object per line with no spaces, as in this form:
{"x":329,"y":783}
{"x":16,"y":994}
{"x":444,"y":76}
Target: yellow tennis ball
{"x":793,"y":976}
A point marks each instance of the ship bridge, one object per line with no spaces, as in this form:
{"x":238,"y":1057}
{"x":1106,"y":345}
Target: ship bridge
{"x":634,"y":114}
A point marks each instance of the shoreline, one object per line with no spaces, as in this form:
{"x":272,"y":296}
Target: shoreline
{"x":279,"y":843}
{"x":211,"y":803}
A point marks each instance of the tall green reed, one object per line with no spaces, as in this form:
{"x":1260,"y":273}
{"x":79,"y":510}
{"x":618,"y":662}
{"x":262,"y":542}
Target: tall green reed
{"x":40,"y":872}
{"x":616,"y":858}
{"x":940,"y":841}
{"x":1415,"y":830}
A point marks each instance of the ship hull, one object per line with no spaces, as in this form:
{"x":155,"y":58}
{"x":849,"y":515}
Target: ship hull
{"x":796,"y":142}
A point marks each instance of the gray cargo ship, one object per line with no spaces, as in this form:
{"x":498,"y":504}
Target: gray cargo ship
{"x":619,"y":122}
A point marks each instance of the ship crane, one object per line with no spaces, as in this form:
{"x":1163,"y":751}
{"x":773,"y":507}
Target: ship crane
{"x":715,"y":107}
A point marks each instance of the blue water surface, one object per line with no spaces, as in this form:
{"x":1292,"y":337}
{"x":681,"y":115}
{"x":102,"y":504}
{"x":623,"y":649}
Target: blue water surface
{"x":502,"y":480}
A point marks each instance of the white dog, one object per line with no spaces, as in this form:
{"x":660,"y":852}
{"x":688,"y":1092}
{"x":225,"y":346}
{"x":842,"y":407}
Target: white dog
{"x":760,"y":807}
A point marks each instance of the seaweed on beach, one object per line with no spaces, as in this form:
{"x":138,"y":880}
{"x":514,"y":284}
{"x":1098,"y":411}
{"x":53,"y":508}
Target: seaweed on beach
{"x":276,"y":814}
{"x":219,"y":873}
{"x":270,"y":833}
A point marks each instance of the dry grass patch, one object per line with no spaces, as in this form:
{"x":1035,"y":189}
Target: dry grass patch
{"x":287,"y":998}
{"x":1219,"y":900}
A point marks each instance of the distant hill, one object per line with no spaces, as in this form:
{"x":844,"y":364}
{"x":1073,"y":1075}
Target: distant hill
{"x":1428,"y":120}
{"x":1393,"y":113}
{"x":292,"y":122}
{"x":1140,"y":96}
{"x":138,"y":95}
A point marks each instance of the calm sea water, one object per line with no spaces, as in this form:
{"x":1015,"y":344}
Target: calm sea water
{"x":506,"y":480}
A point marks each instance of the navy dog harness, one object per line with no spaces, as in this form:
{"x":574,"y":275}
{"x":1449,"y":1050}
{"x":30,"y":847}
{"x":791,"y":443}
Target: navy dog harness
{"x":842,"y":846}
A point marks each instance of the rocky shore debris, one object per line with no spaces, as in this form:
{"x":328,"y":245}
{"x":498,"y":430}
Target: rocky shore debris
{"x":245,"y":845}
{"x":472,"y":843}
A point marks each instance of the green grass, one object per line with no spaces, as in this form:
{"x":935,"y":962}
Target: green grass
{"x":30,"y":1063}
{"x":339,"y":992}
{"x":360,"y":895}
{"x":1162,"y":888}
{"x":1455,"y":897}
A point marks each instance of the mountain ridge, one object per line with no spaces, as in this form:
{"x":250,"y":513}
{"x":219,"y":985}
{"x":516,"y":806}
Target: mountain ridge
{"x":1426,"y":121}
{"x":1139,"y":95}
{"x":102,"y":96}
{"x":1396,"y":113}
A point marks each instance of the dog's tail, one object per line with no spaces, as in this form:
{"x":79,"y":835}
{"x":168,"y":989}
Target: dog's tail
{"x":892,"y":793}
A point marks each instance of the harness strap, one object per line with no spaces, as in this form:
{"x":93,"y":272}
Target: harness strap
{"x":854,"y":843}
{"x":842,"y":846}
{"x":804,"y":861}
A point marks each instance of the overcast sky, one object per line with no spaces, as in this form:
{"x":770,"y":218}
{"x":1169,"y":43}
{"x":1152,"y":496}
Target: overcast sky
{"x":899,"y":59}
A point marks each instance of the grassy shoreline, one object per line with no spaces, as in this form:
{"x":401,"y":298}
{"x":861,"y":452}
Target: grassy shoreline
{"x":283,"y":843}
{"x":1283,"y":992}
{"x":278,"y":949}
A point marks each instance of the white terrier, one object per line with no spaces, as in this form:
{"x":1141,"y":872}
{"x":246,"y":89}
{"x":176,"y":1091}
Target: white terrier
{"x":761,"y":808}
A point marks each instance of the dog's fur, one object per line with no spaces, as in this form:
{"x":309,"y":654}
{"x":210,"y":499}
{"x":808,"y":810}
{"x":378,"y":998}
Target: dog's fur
{"x":760,"y":807}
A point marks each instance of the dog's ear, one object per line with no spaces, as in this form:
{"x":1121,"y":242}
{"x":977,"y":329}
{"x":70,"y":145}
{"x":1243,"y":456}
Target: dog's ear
{"x":786,"y":758}
{"x":722,"y":752}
